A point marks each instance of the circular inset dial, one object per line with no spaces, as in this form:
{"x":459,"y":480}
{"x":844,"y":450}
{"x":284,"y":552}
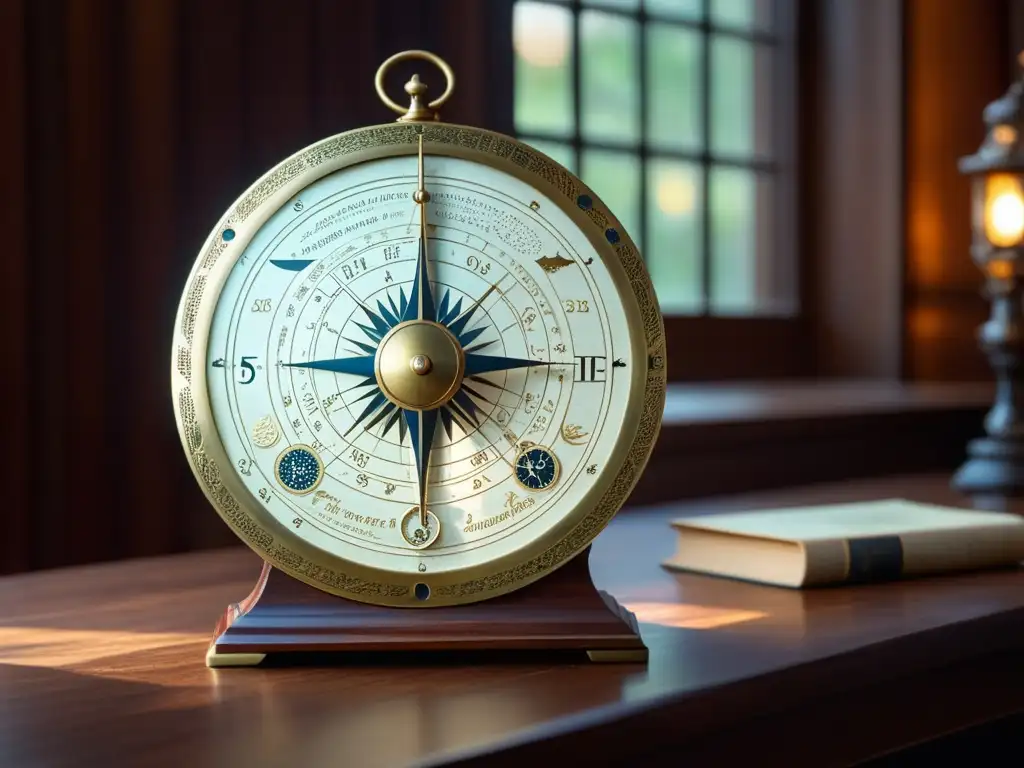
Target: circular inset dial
{"x":536,"y":468}
{"x":419,"y":533}
{"x":299,"y":469}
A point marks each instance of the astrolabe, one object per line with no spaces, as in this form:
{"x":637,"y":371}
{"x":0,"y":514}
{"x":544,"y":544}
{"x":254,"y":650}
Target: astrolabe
{"x":418,"y":364}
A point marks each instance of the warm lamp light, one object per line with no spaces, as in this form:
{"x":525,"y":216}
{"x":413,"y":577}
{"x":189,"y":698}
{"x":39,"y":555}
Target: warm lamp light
{"x":995,"y":465}
{"x":1004,"y":210}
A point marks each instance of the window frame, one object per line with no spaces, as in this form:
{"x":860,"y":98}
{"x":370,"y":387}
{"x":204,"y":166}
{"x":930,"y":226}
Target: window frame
{"x":704,"y":346}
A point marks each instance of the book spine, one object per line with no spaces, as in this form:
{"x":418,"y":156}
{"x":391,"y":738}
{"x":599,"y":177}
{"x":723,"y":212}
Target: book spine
{"x":879,"y":558}
{"x":887,"y":558}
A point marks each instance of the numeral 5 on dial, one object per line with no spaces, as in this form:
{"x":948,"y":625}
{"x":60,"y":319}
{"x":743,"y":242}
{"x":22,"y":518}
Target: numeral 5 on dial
{"x":248,"y":371}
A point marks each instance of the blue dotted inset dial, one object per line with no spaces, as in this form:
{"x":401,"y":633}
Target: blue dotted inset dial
{"x":299,"y":469}
{"x":536,"y":468}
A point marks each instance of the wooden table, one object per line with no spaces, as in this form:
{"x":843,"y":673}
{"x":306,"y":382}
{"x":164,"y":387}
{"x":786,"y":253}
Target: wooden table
{"x":103,"y":665}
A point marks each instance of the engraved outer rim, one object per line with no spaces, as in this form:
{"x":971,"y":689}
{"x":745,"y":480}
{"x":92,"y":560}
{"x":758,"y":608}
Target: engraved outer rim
{"x":275,"y":541}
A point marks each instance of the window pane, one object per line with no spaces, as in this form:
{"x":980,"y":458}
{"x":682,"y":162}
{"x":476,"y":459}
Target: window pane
{"x":743,"y":14}
{"x":673,"y":252}
{"x":615,"y":177}
{"x":609,"y":95}
{"x":674,"y":80}
{"x":740,"y":98}
{"x":676,"y":9}
{"x":542,"y":38}
{"x":747,"y":276}
{"x":557,"y":151}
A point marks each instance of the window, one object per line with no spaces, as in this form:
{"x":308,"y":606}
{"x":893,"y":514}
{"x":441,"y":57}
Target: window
{"x":679,"y":114}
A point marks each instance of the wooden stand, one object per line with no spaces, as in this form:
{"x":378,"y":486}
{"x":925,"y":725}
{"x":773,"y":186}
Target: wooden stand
{"x":563,"y":612}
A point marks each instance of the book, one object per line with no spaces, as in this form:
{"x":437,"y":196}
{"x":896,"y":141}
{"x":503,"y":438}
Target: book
{"x":846,"y":543}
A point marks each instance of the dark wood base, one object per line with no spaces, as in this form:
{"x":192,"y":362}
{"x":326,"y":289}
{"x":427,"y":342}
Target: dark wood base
{"x":562,"y":613}
{"x":993,"y":468}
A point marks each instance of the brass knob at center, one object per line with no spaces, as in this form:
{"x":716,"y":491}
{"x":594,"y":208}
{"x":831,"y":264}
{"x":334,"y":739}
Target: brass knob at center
{"x":419,"y":365}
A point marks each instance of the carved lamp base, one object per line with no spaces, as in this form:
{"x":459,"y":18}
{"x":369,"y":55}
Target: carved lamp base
{"x":993,"y":468}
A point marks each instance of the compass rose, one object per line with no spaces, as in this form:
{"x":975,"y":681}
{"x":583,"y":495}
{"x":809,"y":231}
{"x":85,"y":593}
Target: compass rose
{"x":419,"y":359}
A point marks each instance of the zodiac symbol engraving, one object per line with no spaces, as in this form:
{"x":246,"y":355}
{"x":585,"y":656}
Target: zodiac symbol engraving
{"x":265,"y":432}
{"x":573,"y":434}
{"x":553,"y":263}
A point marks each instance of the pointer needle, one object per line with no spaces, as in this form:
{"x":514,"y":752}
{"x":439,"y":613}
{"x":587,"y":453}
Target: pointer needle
{"x":426,"y":421}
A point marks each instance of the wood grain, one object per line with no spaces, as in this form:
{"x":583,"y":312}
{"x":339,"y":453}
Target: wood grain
{"x":101,"y":662}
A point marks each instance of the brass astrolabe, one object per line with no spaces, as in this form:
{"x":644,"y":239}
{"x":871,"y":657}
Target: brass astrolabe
{"x":415,"y":365}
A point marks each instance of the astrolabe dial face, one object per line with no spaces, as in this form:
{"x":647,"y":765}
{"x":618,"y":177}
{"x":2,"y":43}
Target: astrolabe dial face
{"x":422,"y":386}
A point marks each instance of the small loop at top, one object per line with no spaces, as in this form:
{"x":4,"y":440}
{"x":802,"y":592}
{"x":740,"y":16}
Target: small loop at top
{"x":416,"y":111}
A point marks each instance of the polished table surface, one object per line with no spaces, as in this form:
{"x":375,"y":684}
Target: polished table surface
{"x":103,"y":665}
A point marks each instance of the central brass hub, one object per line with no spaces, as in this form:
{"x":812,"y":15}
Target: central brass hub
{"x":419,"y":365}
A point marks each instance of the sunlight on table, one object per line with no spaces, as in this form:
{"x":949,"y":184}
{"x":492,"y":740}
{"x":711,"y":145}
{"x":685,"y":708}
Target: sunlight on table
{"x":56,"y":648}
{"x":683,"y":616}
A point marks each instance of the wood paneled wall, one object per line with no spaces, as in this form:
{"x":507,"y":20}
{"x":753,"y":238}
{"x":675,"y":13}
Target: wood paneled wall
{"x":852,"y":114}
{"x":959,"y":56}
{"x":128,"y":127}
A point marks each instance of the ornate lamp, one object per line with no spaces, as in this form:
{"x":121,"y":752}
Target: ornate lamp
{"x":995,"y":464}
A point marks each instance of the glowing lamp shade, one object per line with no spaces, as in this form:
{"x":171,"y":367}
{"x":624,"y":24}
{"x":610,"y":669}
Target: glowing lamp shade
{"x":1004,"y":210}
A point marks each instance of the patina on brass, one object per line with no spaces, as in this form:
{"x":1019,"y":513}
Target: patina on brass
{"x":419,"y":365}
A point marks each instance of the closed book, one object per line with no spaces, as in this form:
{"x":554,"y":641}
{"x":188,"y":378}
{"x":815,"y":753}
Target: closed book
{"x":847,"y":543}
